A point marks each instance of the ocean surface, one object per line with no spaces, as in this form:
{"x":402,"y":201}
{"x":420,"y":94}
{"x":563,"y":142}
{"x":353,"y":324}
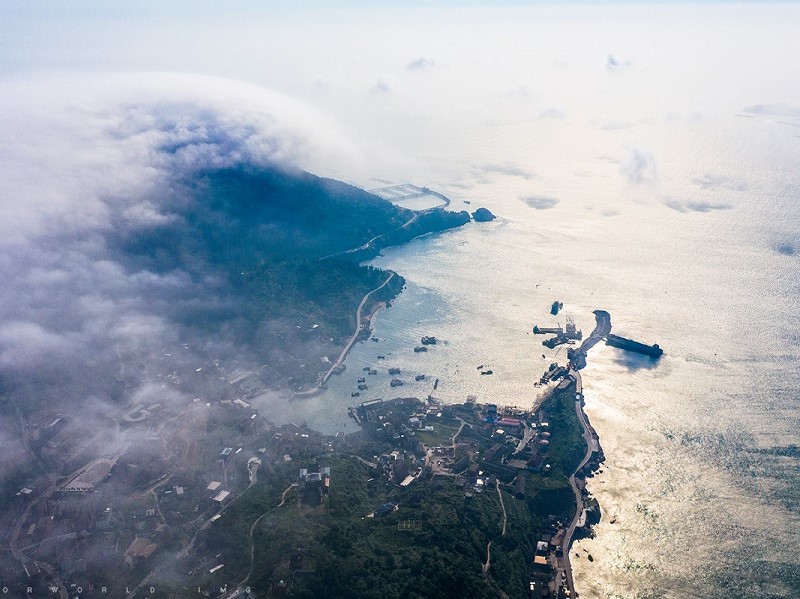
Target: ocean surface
{"x":700,"y":492}
{"x":661,"y":185}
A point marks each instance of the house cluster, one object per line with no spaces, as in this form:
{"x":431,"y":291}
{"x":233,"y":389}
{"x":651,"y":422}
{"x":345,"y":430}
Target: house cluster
{"x":519,"y":440}
{"x":548,"y":579}
{"x":395,"y":421}
{"x":315,"y":484}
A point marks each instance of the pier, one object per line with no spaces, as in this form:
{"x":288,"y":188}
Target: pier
{"x":407,"y":191}
{"x":577,"y":357}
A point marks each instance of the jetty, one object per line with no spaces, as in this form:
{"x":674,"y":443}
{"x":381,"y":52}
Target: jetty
{"x":577,"y":356}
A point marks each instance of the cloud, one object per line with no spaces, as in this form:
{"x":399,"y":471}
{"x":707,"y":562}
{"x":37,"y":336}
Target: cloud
{"x":520,"y":93}
{"x":420,"y":64}
{"x":784,"y":110}
{"x":714,"y":182}
{"x":509,"y":169}
{"x":551,"y":113}
{"x":695,"y":206}
{"x":94,"y":163}
{"x":638,"y":166}
{"x":615,"y":125}
{"x":539,"y":202}
{"x":615,"y":64}
{"x":383,"y":86}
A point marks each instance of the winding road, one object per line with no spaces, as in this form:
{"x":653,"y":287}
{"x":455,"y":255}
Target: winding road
{"x":578,"y":361}
{"x":488,"y":563}
{"x":350,"y":343}
{"x":253,"y":527}
{"x":587,"y":436}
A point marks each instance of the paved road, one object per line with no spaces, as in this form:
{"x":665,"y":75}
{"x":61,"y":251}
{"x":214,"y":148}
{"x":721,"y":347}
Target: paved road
{"x":366,"y":245}
{"x":587,"y":436}
{"x":405,"y":225}
{"x":602,"y":328}
{"x":350,"y":343}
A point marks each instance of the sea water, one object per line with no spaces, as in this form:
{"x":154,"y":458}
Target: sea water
{"x":700,"y":490}
{"x":647,"y":192}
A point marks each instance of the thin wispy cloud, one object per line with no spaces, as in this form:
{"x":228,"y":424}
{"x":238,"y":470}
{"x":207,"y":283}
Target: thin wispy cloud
{"x":783,"y":110}
{"x":616,"y":64}
{"x":695,"y":206}
{"x":539,"y":202}
{"x":551,"y":113}
{"x":420,"y":64}
{"x":383,"y":86}
{"x":638,"y":166}
{"x":508,"y":169}
{"x":713,"y":182}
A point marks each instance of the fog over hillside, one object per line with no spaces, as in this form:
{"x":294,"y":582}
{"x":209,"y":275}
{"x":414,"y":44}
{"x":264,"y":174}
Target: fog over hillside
{"x":144,"y":214}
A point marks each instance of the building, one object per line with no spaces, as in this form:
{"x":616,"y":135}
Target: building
{"x":315,"y":483}
{"x":139,"y":550}
{"x":221,"y":496}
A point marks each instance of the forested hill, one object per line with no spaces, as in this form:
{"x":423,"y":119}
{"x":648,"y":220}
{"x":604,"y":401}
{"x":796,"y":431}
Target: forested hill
{"x":238,"y":217}
{"x":247,"y":243}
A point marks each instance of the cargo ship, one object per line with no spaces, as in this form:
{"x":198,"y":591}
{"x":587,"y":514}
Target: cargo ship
{"x":630,"y":345}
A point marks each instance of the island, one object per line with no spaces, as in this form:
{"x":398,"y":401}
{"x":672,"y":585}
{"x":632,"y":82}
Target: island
{"x":176,"y":484}
{"x":121,"y":461}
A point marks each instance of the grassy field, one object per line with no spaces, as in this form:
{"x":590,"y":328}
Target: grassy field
{"x":440,"y":435}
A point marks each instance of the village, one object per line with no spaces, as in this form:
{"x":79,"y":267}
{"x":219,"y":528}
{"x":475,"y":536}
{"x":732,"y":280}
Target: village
{"x":170,"y":474}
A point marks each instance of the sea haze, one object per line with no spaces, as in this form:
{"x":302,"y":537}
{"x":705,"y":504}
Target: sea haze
{"x":642,"y":159}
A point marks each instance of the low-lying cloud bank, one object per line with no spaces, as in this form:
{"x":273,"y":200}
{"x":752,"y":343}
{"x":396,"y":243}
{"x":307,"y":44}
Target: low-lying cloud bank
{"x":86,"y":165}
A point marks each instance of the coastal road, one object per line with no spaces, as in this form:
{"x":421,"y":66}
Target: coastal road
{"x":350,"y":343}
{"x":405,"y":225}
{"x":587,"y":436}
{"x":366,"y":245}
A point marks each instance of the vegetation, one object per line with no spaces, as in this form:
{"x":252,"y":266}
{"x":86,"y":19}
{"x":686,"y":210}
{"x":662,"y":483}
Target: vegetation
{"x":249,"y":244}
{"x":351,"y":555}
{"x":567,"y":452}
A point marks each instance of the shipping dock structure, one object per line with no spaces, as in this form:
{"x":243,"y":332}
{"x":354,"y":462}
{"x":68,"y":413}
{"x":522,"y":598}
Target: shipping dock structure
{"x":654,"y":351}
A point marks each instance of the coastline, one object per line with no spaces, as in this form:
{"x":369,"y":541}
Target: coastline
{"x":578,"y":362}
{"x":362,"y":323}
{"x":423,"y":222}
{"x":592,"y":447}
